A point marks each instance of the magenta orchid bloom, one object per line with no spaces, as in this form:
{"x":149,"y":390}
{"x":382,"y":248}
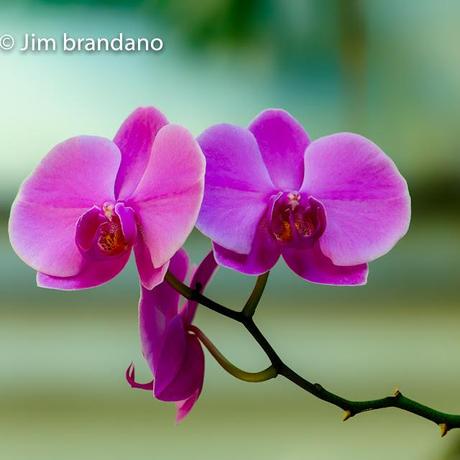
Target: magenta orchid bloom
{"x":173,"y":353}
{"x":328,"y":207}
{"x":91,"y":200}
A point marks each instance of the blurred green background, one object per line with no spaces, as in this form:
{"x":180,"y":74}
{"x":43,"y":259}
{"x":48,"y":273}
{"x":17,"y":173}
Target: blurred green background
{"x":389,"y":70}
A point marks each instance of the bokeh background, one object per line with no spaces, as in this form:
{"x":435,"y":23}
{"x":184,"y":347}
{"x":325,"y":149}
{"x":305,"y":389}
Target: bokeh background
{"x":389,"y":70}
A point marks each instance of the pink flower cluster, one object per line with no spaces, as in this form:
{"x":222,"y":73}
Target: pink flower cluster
{"x":328,"y":207}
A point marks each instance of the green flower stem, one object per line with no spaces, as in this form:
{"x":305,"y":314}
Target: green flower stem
{"x":254,"y":299}
{"x":195,"y":295}
{"x":261,"y":376}
{"x":444,"y":420}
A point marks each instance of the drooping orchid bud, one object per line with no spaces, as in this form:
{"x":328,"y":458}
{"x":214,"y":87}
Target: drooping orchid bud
{"x":172,"y":351}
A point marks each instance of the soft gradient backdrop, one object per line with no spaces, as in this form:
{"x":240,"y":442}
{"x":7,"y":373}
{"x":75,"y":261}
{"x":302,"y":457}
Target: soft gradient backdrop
{"x":389,"y":70}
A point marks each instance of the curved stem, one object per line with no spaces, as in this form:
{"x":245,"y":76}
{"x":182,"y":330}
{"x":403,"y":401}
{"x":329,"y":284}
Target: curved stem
{"x":250,"y":308}
{"x":445,"y":421}
{"x":261,"y":376}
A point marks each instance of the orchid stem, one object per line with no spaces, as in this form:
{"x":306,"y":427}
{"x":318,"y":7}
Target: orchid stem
{"x":250,"y":308}
{"x":445,"y":421}
{"x":195,"y":295}
{"x":261,"y":376}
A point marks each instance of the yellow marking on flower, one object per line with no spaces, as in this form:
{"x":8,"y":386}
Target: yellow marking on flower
{"x":285,"y":232}
{"x":112,"y":240}
{"x":304,"y":224}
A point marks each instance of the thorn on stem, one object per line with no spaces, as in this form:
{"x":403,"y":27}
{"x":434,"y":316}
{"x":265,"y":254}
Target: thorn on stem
{"x":347,"y":414}
{"x":396,"y":393}
{"x":444,"y":429}
{"x":318,"y":387}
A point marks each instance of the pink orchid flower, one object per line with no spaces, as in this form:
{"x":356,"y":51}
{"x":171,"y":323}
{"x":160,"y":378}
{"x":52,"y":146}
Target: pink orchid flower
{"x":328,"y":207}
{"x":173,"y":353}
{"x":91,"y":200}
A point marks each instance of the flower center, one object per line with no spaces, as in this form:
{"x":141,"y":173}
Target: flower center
{"x":295,"y":217}
{"x":111,"y":239}
{"x":108,"y":230}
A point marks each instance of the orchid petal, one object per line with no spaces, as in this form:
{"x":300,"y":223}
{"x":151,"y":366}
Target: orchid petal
{"x":365,"y":197}
{"x":72,"y":178}
{"x":150,"y":276}
{"x":170,"y":359}
{"x":282,"y":142}
{"x":189,"y":376}
{"x":311,"y":265}
{"x":168,"y":198}
{"x":263,"y":256}
{"x":184,"y":407}
{"x":94,"y":272}
{"x":157,"y":308}
{"x":237,"y":187}
{"x":201,"y":278}
{"x":135,"y":139}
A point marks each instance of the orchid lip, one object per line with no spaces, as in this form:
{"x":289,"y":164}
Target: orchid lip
{"x":296,"y":217}
{"x":130,"y":376}
{"x":107,"y":230}
{"x":111,"y":240}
